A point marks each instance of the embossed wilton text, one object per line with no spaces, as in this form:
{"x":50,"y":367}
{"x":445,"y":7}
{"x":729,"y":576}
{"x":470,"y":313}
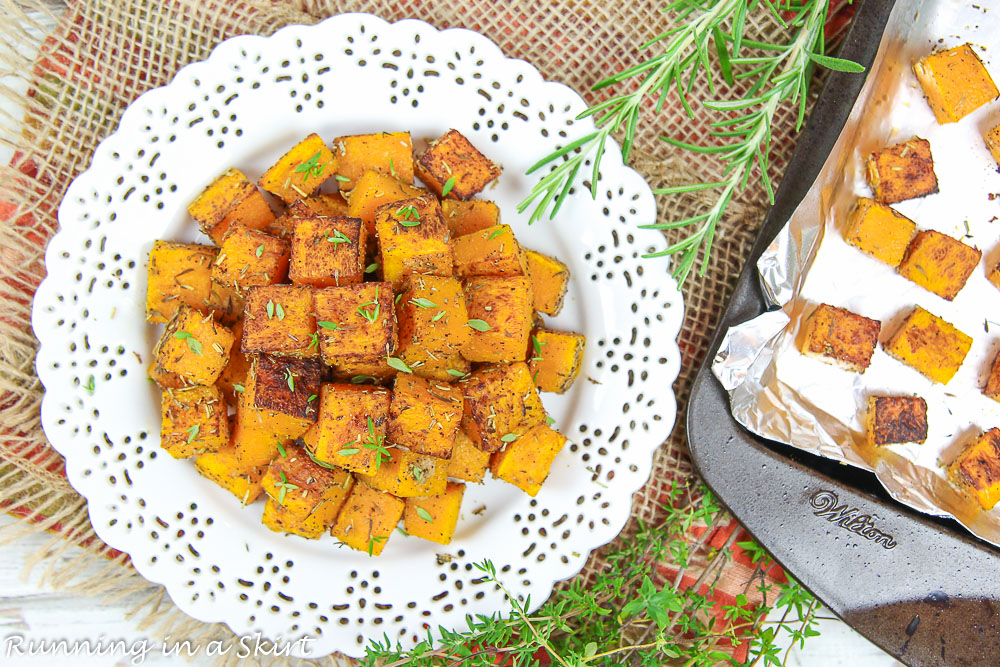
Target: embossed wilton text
{"x":826,"y":505}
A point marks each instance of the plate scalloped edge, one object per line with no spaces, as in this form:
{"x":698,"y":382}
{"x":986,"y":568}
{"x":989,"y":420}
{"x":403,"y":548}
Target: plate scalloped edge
{"x":216,"y":560}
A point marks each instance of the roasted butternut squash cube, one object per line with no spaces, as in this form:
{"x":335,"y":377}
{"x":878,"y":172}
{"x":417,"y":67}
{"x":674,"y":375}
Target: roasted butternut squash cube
{"x":194,"y":421}
{"x":500,"y":315}
{"x":328,"y":251}
{"x":443,"y":369}
{"x":452,"y":167}
{"x":321,"y":204}
{"x":373,"y":190}
{"x":299,"y":485}
{"x":409,"y":474}
{"x":932,"y":346}
{"x":993,"y":143}
{"x":233,"y":378}
{"x":225,"y":304}
{"x":893,"y":420}
{"x":901,"y":172}
{"x":299,"y":171}
{"x":280,"y":520}
{"x":955,"y":83}
{"x":840,"y":337}
{"x":411,"y":239}
{"x":432,"y":320}
{"x":367,"y":519}
{"x":554,"y":359}
{"x":424,"y":415}
{"x":279,"y":320}
{"x":434,"y":517}
{"x":992,"y":388}
{"x":526,"y":460}
{"x":549,"y":282}
{"x":499,"y":400}
{"x":388,"y":153}
{"x":224,"y":468}
{"x":977,"y":469}
{"x":194,"y":346}
{"x":491,"y":252}
{"x":879,"y":231}
{"x":939,"y":263}
{"x":166,"y":379}
{"x":350,"y":432}
{"x":178,"y":273}
{"x":468,"y":463}
{"x":229,"y":199}
{"x":249,"y":258}
{"x":288,"y":386}
{"x":466,"y":217}
{"x":356,"y":324}
{"x":260,"y":432}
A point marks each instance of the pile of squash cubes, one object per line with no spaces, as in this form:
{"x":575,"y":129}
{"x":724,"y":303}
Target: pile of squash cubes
{"x":362,"y":355}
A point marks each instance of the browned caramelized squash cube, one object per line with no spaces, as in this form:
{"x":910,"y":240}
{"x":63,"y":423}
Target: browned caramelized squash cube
{"x":955,"y":83}
{"x":893,"y":420}
{"x":992,"y":388}
{"x":491,"y":252}
{"x":328,"y":251}
{"x":178,"y":273}
{"x":411,"y":239}
{"x":555,"y":358}
{"x":939,"y":263}
{"x":500,"y":315}
{"x":901,"y":172}
{"x":230,"y":199}
{"x":549,"y":282}
{"x":932,"y":346}
{"x":424,"y":415}
{"x":409,"y":474}
{"x":260,"y":432}
{"x":356,"y":324}
{"x":249,"y":258}
{"x":468,"y":463}
{"x":223,"y":467}
{"x":465,"y":217}
{"x":299,"y":171}
{"x":879,"y":231}
{"x":194,"y":346}
{"x":840,"y":337}
{"x":434,"y":517}
{"x":388,"y":153}
{"x":452,"y":167}
{"x":367,"y":519}
{"x":977,"y":469}
{"x":300,"y":485}
{"x":374,"y":190}
{"x":499,"y":400}
{"x":526,"y":460}
{"x":432,"y":320}
{"x":350,"y":432}
{"x":194,"y":421}
{"x":288,"y":386}
{"x":279,"y":320}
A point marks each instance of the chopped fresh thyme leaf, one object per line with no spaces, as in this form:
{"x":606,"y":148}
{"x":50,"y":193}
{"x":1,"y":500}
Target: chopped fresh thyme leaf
{"x":479,"y":325}
{"x":342,"y":179}
{"x":260,"y":250}
{"x":281,"y":450}
{"x":312,"y":397}
{"x":423,"y":303}
{"x":193,"y":344}
{"x":270,"y":309}
{"x":310,"y":166}
{"x":280,"y":311}
{"x":290,"y":379}
{"x":193,"y":433}
{"x":409,"y":214}
{"x":336,"y":238}
{"x":328,"y":325}
{"x":371,"y":268}
{"x":438,"y":316}
{"x":496,"y":234}
{"x":361,"y":379}
{"x":510,"y":437}
{"x":398,"y":364}
{"x":90,"y":385}
{"x":238,"y":387}
{"x":448,"y":185}
{"x":425,"y":515}
{"x":456,"y":373}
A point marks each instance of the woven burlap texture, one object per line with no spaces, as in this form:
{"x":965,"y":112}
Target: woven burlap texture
{"x":104,"y":53}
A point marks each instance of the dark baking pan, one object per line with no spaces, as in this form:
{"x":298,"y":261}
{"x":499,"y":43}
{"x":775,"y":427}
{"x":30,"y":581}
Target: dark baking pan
{"x":923,"y":589}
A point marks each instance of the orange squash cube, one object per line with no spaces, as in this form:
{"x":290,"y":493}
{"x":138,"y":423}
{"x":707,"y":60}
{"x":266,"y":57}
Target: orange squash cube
{"x":930,"y":345}
{"x":554,"y":359}
{"x":356,"y":325}
{"x":373,"y":190}
{"x":526,"y":460}
{"x":223,"y":467}
{"x":194,"y":346}
{"x":939,"y":263}
{"x":901,"y":172}
{"x":500,"y":314}
{"x":350,"y":432}
{"x":409,"y":474}
{"x":452,"y":167}
{"x":229,"y":199}
{"x":178,"y":273}
{"x":499,"y":400}
{"x":279,"y":320}
{"x":879,"y":231}
{"x":977,"y":469}
{"x":328,"y":251}
{"x":840,"y":337}
{"x":549,"y":282}
{"x":434,"y":517}
{"x":424,"y":415}
{"x":288,"y":386}
{"x":194,"y":421}
{"x":259,"y":431}
{"x":465,"y":217}
{"x":367,"y":519}
{"x":300,"y":486}
{"x":432,"y":319}
{"x":955,"y":83}
{"x":321,"y":204}
{"x":299,"y":171}
{"x":389,"y":153}
{"x":166,"y":379}
{"x":249,"y":258}
{"x":491,"y":252}
{"x":411,"y":239}
{"x":892,"y":420}
{"x":468,"y":463}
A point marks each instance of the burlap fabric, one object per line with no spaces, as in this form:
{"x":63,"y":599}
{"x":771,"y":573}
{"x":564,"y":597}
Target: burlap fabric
{"x":104,"y":53}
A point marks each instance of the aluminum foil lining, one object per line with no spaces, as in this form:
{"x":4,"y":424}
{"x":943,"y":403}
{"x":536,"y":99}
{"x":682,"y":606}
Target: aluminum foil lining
{"x":778,"y":393}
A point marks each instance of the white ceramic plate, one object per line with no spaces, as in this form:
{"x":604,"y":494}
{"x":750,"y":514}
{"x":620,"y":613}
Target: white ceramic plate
{"x":244,"y":106}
